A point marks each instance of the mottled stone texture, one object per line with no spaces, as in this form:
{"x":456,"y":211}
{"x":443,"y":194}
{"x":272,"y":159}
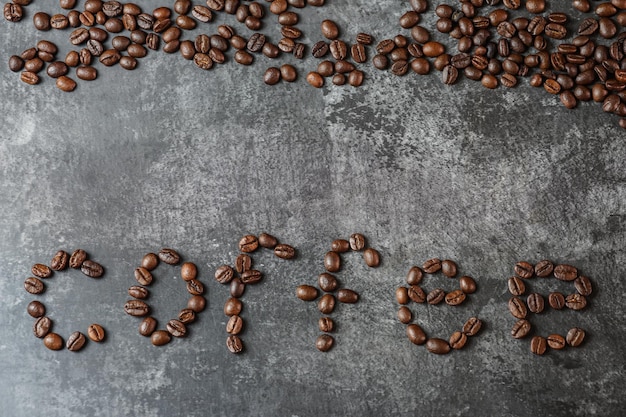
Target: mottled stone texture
{"x":172,"y":156}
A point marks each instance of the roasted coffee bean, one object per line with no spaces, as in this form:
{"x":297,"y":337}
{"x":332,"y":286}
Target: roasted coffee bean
{"x":583,"y":285}
{"x":565,"y":272}
{"x":437,"y":346}
{"x":364,"y":38}
{"x":324,"y":342}
{"x":29,"y":77}
{"x":143,"y":276}
{"x":414,"y":276}
{"x":169,"y":256}
{"x":329,"y":29}
{"x":404,"y":315}
{"x":16,"y":63}
{"x":556,"y":341}
{"x":267,"y":241}
{"x":340,"y":246}
{"x":544,"y":268}
{"x":520,"y":329}
{"x":160,"y":338}
{"x":251,"y":276}
{"x":53,"y":341}
{"x":416,"y":294}
{"x":195,"y":287}
{"x":431,"y":266}
{"x":147,"y":326}
{"x":136,"y":308}
{"x":535,"y":303}
{"x":415,"y":334}
{"x":139,"y":292}
{"x":85,"y":59}
{"x":41,"y":271}
{"x":96,"y":333}
{"x":248,"y":243}
{"x":34,"y":285}
{"x":95,"y":47}
{"x":234,"y":344}
{"x":176,"y":328}
{"x":315,"y":80}
{"x":36,"y":309}
{"x":327,"y":282}
{"x":232,"y":306}
{"x":524,"y":270}
{"x":449,"y":268}
{"x":255,"y":44}
{"x":455,"y":298}
{"x":202,"y":13}
{"x":340,"y":66}
{"x":345,"y":295}
{"x":136,"y":50}
{"x":243,"y":263}
{"x":47,"y":46}
{"x":402,"y":295}
{"x":41,"y":20}
{"x":517,"y":308}
{"x":458,"y":340}
{"x":371,"y":257}
{"x":13,"y":12}
{"x":237,"y":288}
{"x":472,"y":326}
{"x":203,"y":61}
{"x":306,"y":292}
{"x":326,"y":304}
{"x":436,"y":296}
{"x":224,"y":274}
{"x":42,"y":326}
{"x":76,"y":341}
{"x":234,"y":325}
{"x":538,"y":345}
{"x":188,"y":271}
{"x":284,"y":251}
{"x":575,"y":336}
{"x":187,"y":316}
{"x":92,"y":269}
{"x":67,"y":84}
{"x":319,"y":49}
{"x":556,"y":300}
{"x":86,"y":72}
{"x":357,"y":242}
{"x":338,"y":49}
{"x":467,"y":284}
{"x":575,"y":302}
{"x":332,"y":261}
{"x":197,"y":303}
{"x":29,"y":53}
{"x":326,"y":324}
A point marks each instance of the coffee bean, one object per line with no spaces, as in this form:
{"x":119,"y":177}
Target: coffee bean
{"x":143,"y":276}
{"x":575,"y":336}
{"x":404,"y":315}
{"x":556,"y":300}
{"x":414,"y":276}
{"x":176,"y":328}
{"x":169,"y":256}
{"x":92,"y":269}
{"x":284,"y":251}
{"x":234,"y":325}
{"x":467,"y":284}
{"x":237,"y":288}
{"x":517,"y":308}
{"x":53,"y":341}
{"x":371,"y":257}
{"x":251,"y":276}
{"x":455,"y":298}
{"x":267,"y":241}
{"x":326,"y":324}
{"x":234,"y":344}
{"x":255,"y":44}
{"x":357,"y":242}
{"x":136,"y":308}
{"x":319,"y":49}
{"x":332,"y":261}
{"x":306,"y":292}
{"x":271,"y":76}
{"x":339,"y":79}
{"x":556,"y":341}
{"x":324,"y":342}
{"x":544,"y":268}
{"x":431,"y":266}
{"x":36,"y":309}
{"x":327,"y":282}
{"x":147,"y":326}
{"x":197,"y":303}
{"x":96,"y":333}
{"x":160,"y":338}
{"x":78,"y":257}
{"x":535,"y":303}
{"x":524,"y":270}
{"x":345,"y":295}
{"x":340,"y":246}
{"x":416,"y":294}
{"x":364,"y":38}
{"x":315,"y":79}
{"x":188,"y":271}
{"x":248,"y":243}
{"x":458,"y":340}
{"x":75,"y":342}
{"x":138,"y":292}
{"x":380,"y":62}
{"x":436,"y":296}
{"x":538,"y":345}
{"x":520,"y":329}
{"x":136,"y":50}
{"x":437,"y":346}
{"x":202,"y":13}
{"x":232,"y":307}
{"x":13,"y":12}
{"x":195,"y":287}
{"x":433,"y":49}
{"x":66,"y":84}
{"x":449,"y":268}
{"x":472,"y":326}
{"x":575,"y":302}
{"x":60,"y":260}
{"x":583,"y":285}
{"x":415,"y":334}
{"x":41,"y":271}
{"x":224,"y":274}
{"x":330,"y":30}
{"x":42,"y":326}
{"x":34,"y":285}
{"x":565,"y":272}
{"x":326,"y":304}
{"x":16,"y":63}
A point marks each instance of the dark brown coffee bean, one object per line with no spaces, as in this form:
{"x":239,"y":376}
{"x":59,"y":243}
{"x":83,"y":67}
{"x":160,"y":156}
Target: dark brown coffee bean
{"x":517,"y":308}
{"x":404,"y":315}
{"x":234,"y":344}
{"x":136,"y":308}
{"x":458,"y":340}
{"x":575,"y":336}
{"x":327,"y":282}
{"x":255,"y":44}
{"x":96,"y":333}
{"x":315,"y":80}
{"x":524,"y":270}
{"x":267,"y":241}
{"x":41,"y":20}
{"x":248,"y":243}
{"x":340,"y":66}
{"x":556,"y":300}
{"x":306,"y":292}
{"x":583,"y":285}
{"x":371,"y":257}
{"x":42,"y":326}
{"x":16,"y":63}
{"x":202,"y":13}
{"x":326,"y":304}
{"x":216,"y":5}
{"x":324,"y":342}
{"x":402,"y":295}
{"x":41,"y":271}
{"x":147,"y":326}
{"x":110,"y":57}
{"x":14,"y":13}
{"x":455,"y":298}
{"x":565,"y":272}
{"x":143,"y":276}
{"x":53,"y":341}
{"x":345,"y":295}
{"x":232,"y":306}
{"x":436,"y":296}
{"x":319,"y":49}
{"x":34,"y":285}
{"x":544,"y":268}
{"x":137,"y":51}
{"x":520,"y":329}
{"x":357,"y":51}
{"x":36,"y":309}
{"x":556,"y":341}
{"x":472,"y":326}
{"x":329,"y":29}
{"x":414,"y":276}
{"x":416,"y":334}
{"x":538,"y":345}
{"x":203,"y":61}
{"x":432,"y":265}
{"x":92,"y":269}
{"x":160,"y":338}
{"x":169,"y":256}
{"x":176,"y":328}
{"x":66,"y":84}
{"x":332,"y":261}
{"x":251,"y":276}
{"x":326,"y":324}
{"x":237,"y":288}
{"x":449,"y":268}
{"x":364,"y":38}
{"x":575,"y":302}
{"x":467,"y":284}
{"x":284,"y":251}
{"x":243,"y":263}
{"x":416,"y":294}
{"x":286,"y":45}
{"x":188,"y":271}
{"x":338,"y":49}
{"x":535,"y":303}
{"x":437,"y":346}
{"x":29,"y":77}
{"x":75,"y":342}
{"x":139,"y":292}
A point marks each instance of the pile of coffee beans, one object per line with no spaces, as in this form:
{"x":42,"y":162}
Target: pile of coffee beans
{"x":328,"y":283}
{"x":415,"y":293}
{"x":240,"y":276}
{"x":535,"y":302}
{"x":36,"y":309}
{"x":137,"y":307}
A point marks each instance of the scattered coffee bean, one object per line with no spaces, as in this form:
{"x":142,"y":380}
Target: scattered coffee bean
{"x":42,"y":326}
{"x":516,"y":286}
{"x":248,"y":243}
{"x":556,"y":341}
{"x":404,"y":315}
{"x":34,"y":285}
{"x":224,"y":274}
{"x":324,"y":342}
{"x":449,"y":268}
{"x":136,"y":308}
{"x":78,"y":257}
{"x":234,"y":344}
{"x":251,"y":276}
{"x":92,"y":269}
{"x":436,"y":296}
{"x":169,"y":256}
{"x":284,"y":251}
{"x":458,"y":340}
{"x":575,"y":336}
{"x":437,"y":346}
{"x":147,"y":326}
{"x":330,"y":30}
{"x":524,"y":270}
{"x":415,"y":334}
{"x":188,"y":271}
{"x":517,"y":308}
{"x":150,"y":261}
{"x":416,"y":294}
{"x":544,"y":268}
{"x":234,"y":325}
{"x":583,"y":285}
{"x":232,"y":307}
{"x":345,"y":295}
{"x":237,"y":288}
{"x":357,"y":242}
{"x":41,"y":271}
{"x":472,"y":326}
{"x":326,"y":304}
{"x":538,"y":345}
{"x":60,"y":260}
{"x":575,"y":302}
{"x":455,"y":298}
{"x":565,"y":272}
{"x":306,"y":292}
{"x":535,"y":303}
{"x":138,"y":292}
{"x":467,"y":284}
{"x":521,"y":328}
{"x":371,"y":257}
{"x":432,"y":265}
{"x":176,"y":328}
{"x":76,"y":341}
{"x":96,"y":333}
{"x":36,"y":309}
{"x":267,"y":241}
{"x":53,"y":341}
{"x":143,"y":276}
{"x":160,"y":338}
{"x":332,"y":261}
{"x":326,"y":324}
{"x":414,"y":275}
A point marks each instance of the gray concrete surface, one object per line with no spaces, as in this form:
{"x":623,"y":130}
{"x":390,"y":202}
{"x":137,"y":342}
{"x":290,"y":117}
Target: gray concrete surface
{"x":170,"y":156}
